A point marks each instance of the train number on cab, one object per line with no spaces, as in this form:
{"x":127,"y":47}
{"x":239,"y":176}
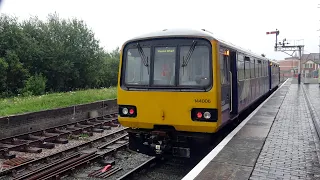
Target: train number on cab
{"x":202,"y":101}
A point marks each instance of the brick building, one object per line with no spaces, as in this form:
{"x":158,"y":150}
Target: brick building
{"x":289,"y":66}
{"x":310,"y":64}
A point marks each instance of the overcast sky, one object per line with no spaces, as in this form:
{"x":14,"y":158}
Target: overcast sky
{"x":243,"y":23}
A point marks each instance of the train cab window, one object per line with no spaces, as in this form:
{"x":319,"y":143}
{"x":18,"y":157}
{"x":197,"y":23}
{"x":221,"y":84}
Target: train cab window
{"x":137,"y":73}
{"x":164,"y":66}
{"x":240,"y":67}
{"x":195,"y":71}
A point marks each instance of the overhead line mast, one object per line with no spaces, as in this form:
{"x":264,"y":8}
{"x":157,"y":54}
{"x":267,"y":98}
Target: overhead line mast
{"x":282,"y":46}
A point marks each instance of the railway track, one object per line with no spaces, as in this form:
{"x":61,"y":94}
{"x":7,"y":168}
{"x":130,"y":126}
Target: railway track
{"x":46,"y":139}
{"x":16,"y":151}
{"x":60,"y":166}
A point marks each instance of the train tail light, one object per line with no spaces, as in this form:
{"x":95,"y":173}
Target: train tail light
{"x":199,"y":115}
{"x":204,"y":114}
{"x":127,"y":111}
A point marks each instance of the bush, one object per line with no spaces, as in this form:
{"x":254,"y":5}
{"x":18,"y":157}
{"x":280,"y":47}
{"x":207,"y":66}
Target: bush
{"x":35,"y":85}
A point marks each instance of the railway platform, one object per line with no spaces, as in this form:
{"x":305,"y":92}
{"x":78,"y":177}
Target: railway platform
{"x":279,"y":140}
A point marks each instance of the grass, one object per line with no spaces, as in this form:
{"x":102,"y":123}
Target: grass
{"x":19,"y":105}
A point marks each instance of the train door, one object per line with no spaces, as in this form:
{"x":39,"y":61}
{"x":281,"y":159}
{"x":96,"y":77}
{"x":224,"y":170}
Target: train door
{"x":233,"y":83}
{"x":225,"y":75}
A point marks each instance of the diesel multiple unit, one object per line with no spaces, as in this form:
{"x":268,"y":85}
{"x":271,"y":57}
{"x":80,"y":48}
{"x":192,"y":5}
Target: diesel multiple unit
{"x":176,"y":88}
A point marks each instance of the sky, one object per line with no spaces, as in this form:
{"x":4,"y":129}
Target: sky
{"x":243,"y":23}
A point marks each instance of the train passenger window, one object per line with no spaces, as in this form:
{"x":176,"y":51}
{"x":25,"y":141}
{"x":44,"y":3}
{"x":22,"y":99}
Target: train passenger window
{"x":164,"y":66}
{"x":272,"y":69}
{"x":240,"y":67}
{"x":262,"y":68}
{"x":136,"y":72}
{"x":257,"y":68}
{"x":252,"y":68}
{"x":195,"y":72}
{"x":247,"y":67}
{"x":266,"y":68}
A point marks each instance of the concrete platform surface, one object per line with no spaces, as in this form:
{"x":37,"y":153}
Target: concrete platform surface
{"x":277,"y":141}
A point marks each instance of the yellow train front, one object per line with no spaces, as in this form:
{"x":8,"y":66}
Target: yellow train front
{"x":170,"y":91}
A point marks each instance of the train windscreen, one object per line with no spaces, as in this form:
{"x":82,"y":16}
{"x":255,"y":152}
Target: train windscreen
{"x":170,"y":66}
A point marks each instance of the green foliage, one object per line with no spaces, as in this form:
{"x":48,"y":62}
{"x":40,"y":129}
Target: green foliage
{"x":17,"y":105}
{"x":16,"y":73}
{"x":3,"y":75}
{"x":57,"y":54}
{"x":35,"y":85}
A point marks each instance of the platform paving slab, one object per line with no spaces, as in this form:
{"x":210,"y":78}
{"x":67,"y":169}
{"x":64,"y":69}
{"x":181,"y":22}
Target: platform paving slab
{"x":292,"y":146}
{"x":278,"y":142}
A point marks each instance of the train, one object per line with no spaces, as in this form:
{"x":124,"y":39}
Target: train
{"x":178,"y":87}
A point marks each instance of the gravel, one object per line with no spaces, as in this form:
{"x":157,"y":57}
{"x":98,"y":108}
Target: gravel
{"x":125,"y":159}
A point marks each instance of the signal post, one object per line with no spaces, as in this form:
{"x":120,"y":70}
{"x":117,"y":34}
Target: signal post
{"x":283,"y":47}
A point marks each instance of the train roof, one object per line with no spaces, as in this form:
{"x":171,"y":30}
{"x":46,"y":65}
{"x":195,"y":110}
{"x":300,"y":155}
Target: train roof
{"x":194,"y":33}
{"x":175,"y":33}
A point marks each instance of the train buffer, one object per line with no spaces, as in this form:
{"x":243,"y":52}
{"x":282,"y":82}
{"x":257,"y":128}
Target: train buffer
{"x":279,"y":140}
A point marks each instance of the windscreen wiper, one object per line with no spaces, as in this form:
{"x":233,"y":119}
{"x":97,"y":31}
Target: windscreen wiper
{"x":143,"y":57}
{"x":185,"y":61}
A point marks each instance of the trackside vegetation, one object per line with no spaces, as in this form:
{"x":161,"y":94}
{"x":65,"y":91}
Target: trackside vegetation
{"x":19,"y":105}
{"x":52,"y":63}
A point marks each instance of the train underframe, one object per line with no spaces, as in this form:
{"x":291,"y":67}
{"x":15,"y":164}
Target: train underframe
{"x":164,"y":143}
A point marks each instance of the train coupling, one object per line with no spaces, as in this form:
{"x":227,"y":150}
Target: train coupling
{"x":159,"y":142}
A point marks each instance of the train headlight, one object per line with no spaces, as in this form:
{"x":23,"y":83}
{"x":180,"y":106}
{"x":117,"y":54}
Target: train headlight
{"x":207,"y":115}
{"x":125,"y":111}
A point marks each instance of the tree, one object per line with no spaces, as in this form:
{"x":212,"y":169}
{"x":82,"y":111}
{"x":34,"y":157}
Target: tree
{"x":16,"y":73}
{"x":3,"y":76}
{"x":64,"y":51}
